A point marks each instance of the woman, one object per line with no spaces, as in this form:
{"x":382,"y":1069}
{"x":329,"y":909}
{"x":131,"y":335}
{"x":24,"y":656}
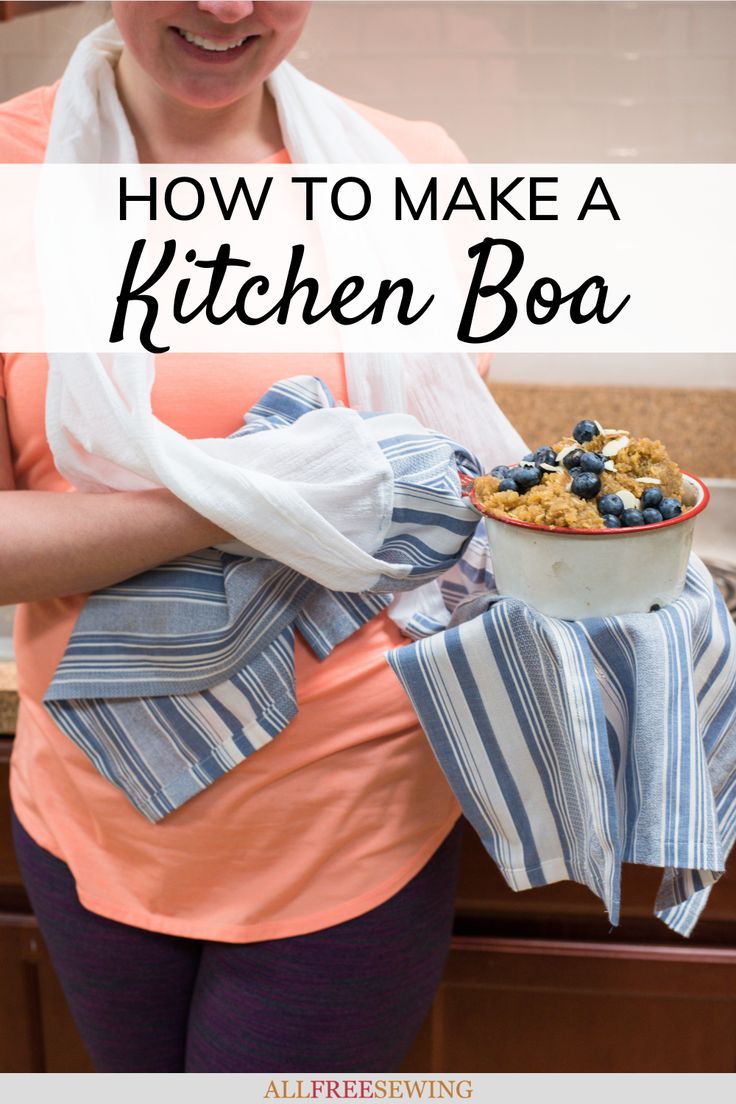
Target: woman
{"x":296,"y":916}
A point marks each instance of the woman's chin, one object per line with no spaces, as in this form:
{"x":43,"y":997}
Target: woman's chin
{"x":206,"y":93}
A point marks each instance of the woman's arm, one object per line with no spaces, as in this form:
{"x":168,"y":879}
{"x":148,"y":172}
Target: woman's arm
{"x":55,"y":544}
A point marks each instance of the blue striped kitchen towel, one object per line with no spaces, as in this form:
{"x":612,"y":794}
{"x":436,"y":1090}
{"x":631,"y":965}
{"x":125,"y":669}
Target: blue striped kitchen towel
{"x":172,"y":678}
{"x":576,"y":746}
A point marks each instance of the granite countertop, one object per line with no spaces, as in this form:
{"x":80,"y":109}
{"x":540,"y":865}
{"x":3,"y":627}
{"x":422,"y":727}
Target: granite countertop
{"x":696,"y":426}
{"x":8,"y":699}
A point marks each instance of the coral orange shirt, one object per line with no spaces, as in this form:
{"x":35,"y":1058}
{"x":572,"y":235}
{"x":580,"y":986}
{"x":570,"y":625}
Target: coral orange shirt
{"x":327,"y":821}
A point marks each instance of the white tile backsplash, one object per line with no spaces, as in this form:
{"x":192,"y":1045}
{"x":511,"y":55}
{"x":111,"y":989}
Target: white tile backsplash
{"x":652,"y":28}
{"x":541,"y":67}
{"x":459,"y":62}
{"x":570,"y":27}
{"x":712,"y":28}
{"x":379,"y":29}
{"x":470,"y":28}
{"x":700,"y":370}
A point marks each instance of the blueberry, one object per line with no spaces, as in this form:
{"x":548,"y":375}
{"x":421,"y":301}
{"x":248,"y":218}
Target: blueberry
{"x":572,"y":459}
{"x":670,"y":508}
{"x":500,"y":471}
{"x":507,"y":485}
{"x":585,"y":431}
{"x":651,"y":516}
{"x":586,"y":485}
{"x":611,"y":504}
{"x":652,"y":497}
{"x":545,"y":455}
{"x":592,"y":462}
{"x":525,"y":477}
{"x":529,"y":456}
{"x":611,"y":522}
{"x":632,"y":517}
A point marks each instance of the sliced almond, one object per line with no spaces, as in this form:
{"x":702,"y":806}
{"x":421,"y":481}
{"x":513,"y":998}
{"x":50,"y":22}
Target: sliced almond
{"x":629,"y":500}
{"x":549,"y":467}
{"x":614,"y":433}
{"x":598,"y":426}
{"x":646,"y":479}
{"x":614,"y":446}
{"x":609,"y":466}
{"x":565,"y":452}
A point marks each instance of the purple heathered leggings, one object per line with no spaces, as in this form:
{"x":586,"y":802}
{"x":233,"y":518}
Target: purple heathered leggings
{"x":348,"y":998}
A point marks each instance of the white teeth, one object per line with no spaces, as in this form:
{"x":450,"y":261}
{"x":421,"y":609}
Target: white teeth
{"x":208,"y":44}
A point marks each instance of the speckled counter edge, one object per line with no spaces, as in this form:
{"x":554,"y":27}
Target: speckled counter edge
{"x":696,"y":426}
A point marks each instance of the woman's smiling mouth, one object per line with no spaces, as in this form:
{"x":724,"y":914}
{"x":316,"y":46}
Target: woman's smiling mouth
{"x":211,"y":49}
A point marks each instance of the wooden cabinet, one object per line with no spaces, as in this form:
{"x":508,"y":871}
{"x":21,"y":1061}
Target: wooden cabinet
{"x":37,"y":1033}
{"x":13,"y":897}
{"x":549,"y":1006}
{"x":21,"y":1048}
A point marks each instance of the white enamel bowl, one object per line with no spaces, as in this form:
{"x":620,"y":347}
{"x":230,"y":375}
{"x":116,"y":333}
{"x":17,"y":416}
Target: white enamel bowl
{"x":577,"y":573}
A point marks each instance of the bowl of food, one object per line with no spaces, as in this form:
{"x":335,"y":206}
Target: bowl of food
{"x":599,"y":524}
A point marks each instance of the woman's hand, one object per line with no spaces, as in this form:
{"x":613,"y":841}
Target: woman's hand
{"x":54,"y":544}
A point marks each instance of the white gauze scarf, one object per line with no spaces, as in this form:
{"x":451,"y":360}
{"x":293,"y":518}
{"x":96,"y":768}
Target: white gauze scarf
{"x":317,"y":495}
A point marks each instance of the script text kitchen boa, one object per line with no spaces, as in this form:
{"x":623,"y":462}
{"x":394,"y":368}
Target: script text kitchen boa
{"x":319,"y":498}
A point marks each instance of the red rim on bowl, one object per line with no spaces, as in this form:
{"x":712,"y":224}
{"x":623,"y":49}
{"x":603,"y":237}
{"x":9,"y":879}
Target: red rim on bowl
{"x":469,"y":493}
